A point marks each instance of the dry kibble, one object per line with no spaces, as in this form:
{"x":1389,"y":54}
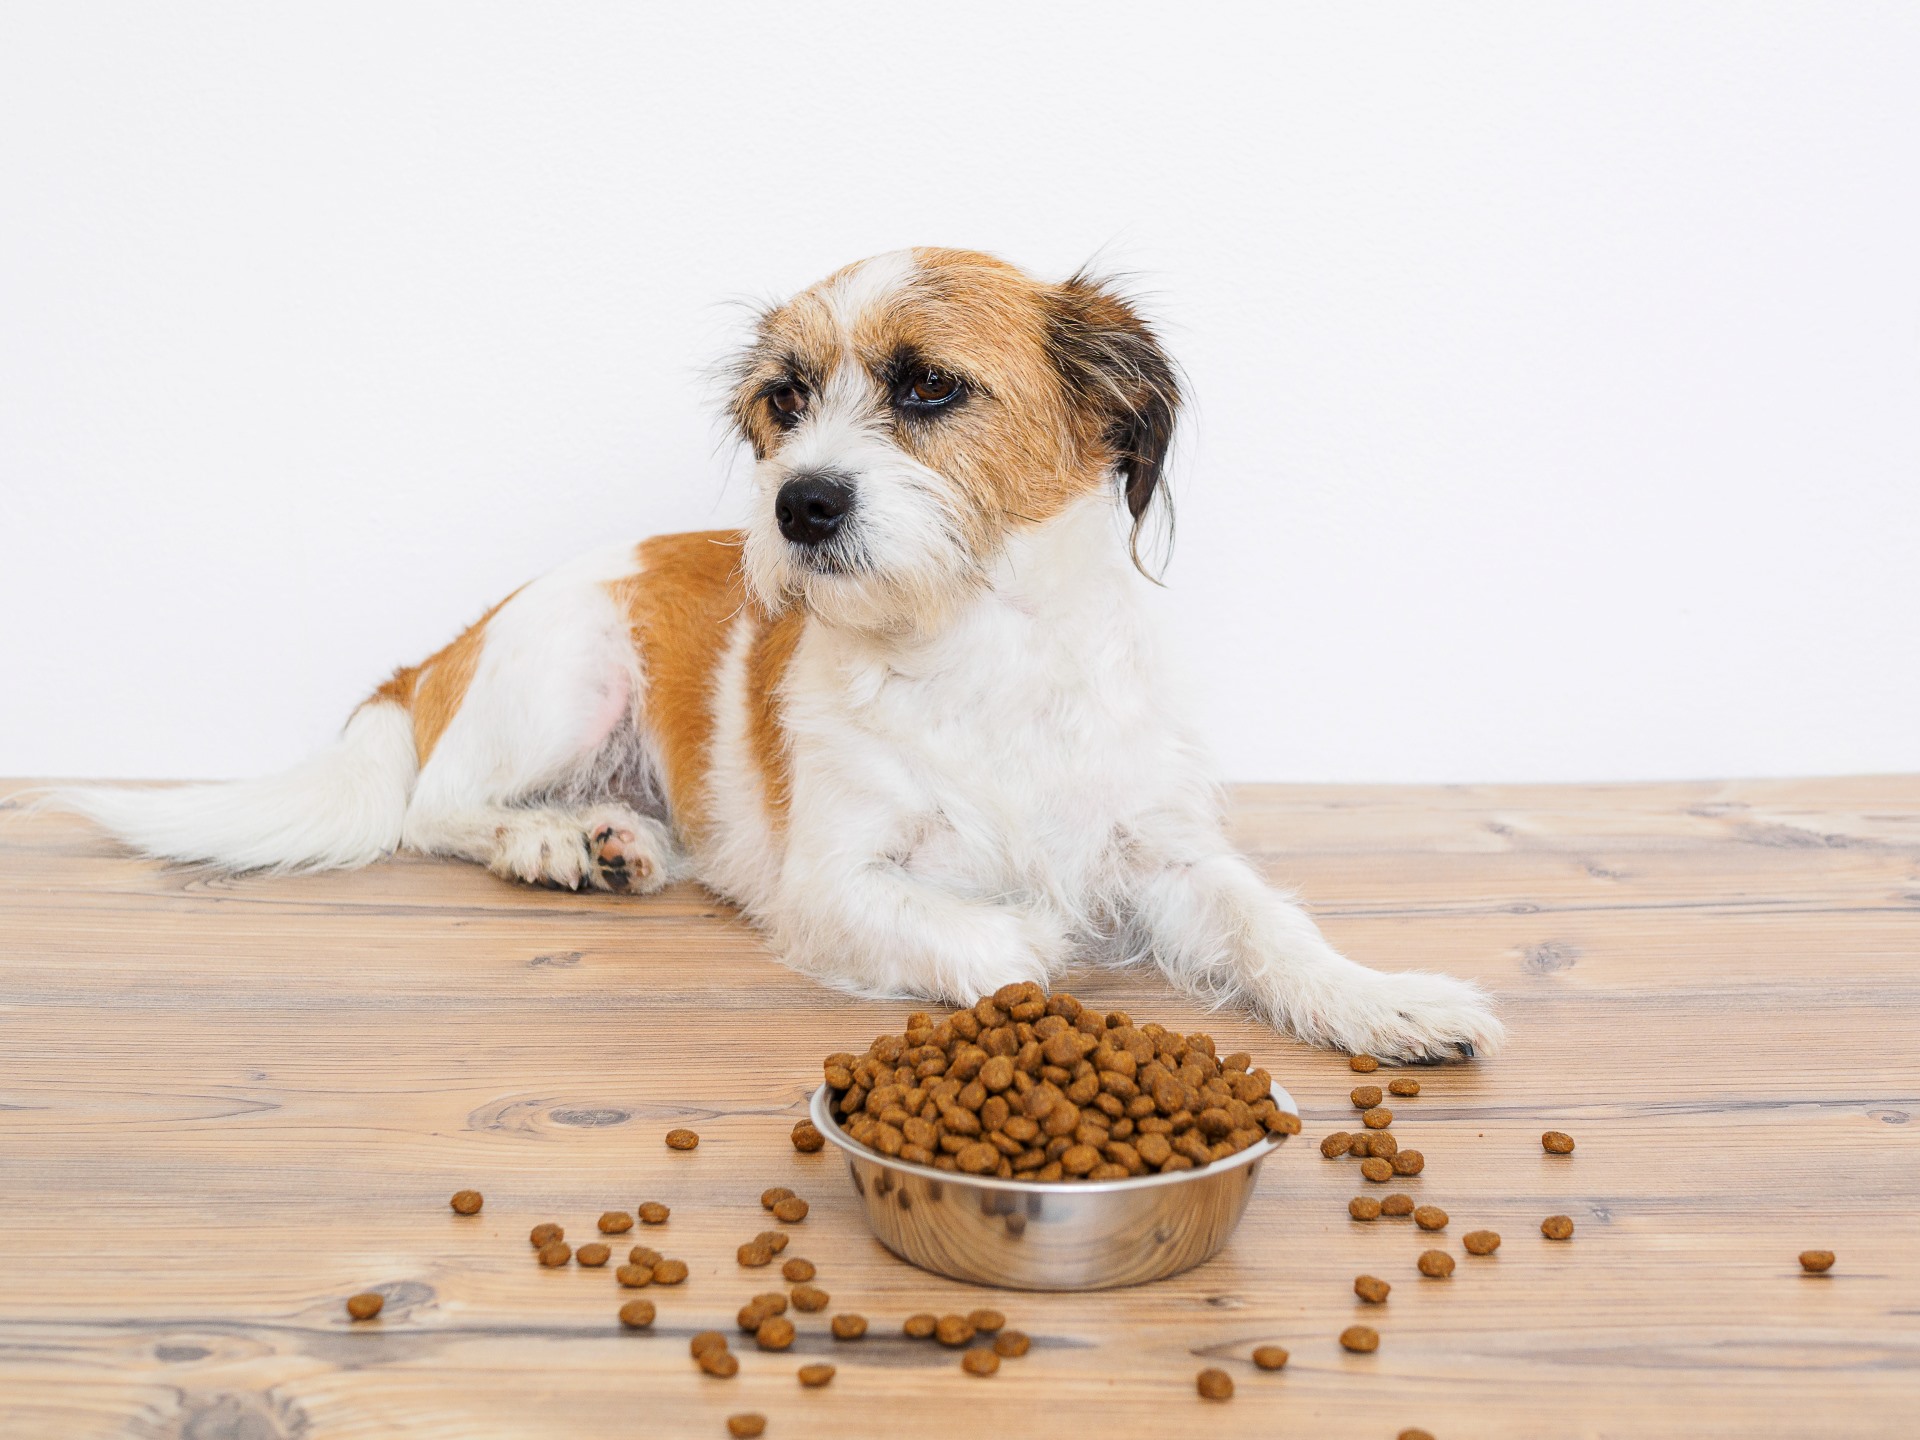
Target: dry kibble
{"x":1408,"y":1162}
{"x":654,"y":1213}
{"x":754,"y":1254}
{"x":953,"y":1330}
{"x":555,"y":1253}
{"x":1816,"y":1262}
{"x":986,"y":1322}
{"x":643,"y":1255}
{"x":774,"y":1240}
{"x":1480,"y":1242}
{"x":807,"y":1138}
{"x":615,"y":1222}
{"x":919,"y":1327}
{"x":637,"y":1314}
{"x":1269,"y":1357}
{"x":682,"y":1139}
{"x":1557,"y":1227}
{"x":706,"y":1340}
{"x":815,"y":1375}
{"x":1377,"y":1170}
{"x":1372,"y":1290}
{"x":1380,"y":1143}
{"x":775,"y":1333}
{"x":771,"y":1198}
{"x":1365,"y":1064}
{"x":1555,"y":1142}
{"x":797,"y":1270}
{"x":1214,"y":1385}
{"x":809,"y":1298}
{"x":1397,"y":1207}
{"x":1336,"y":1144}
{"x":1364,"y":1207}
{"x":634,"y":1277}
{"x":745,"y":1427}
{"x":669,"y":1272}
{"x":1011,"y":1343}
{"x":466,"y":1202}
{"x":1435,"y":1264}
{"x":980,"y":1361}
{"x":1365,"y":1097}
{"x":542,"y":1235}
{"x":1405,"y":1085}
{"x":720,"y":1363}
{"x":1414,"y":1433}
{"x":365,"y":1305}
{"x":1430,"y":1217}
{"x":1361,"y":1339}
{"x":791,"y":1211}
{"x":1378,"y":1118}
{"x":592,"y":1255}
{"x":849,"y":1327}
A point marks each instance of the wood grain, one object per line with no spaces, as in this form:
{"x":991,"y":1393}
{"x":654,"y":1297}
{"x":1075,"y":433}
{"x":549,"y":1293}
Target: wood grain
{"x":226,"y":1104}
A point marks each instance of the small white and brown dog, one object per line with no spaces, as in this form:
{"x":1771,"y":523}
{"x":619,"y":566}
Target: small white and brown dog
{"x":907,"y":719}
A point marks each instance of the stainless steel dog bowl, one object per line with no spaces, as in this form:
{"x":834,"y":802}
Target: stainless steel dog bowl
{"x":1026,"y":1235}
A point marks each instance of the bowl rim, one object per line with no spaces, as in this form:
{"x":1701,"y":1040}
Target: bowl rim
{"x":818,"y":1111}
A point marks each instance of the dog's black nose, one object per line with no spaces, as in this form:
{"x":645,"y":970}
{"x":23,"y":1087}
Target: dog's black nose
{"x":811,"y":507}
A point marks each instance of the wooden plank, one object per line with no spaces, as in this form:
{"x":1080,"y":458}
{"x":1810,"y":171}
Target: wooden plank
{"x":226,"y":1104}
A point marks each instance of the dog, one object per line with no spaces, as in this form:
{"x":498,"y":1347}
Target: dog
{"x":908,"y":718}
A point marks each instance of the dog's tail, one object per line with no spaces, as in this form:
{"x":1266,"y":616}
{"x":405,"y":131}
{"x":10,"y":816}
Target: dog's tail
{"x":339,"y":809}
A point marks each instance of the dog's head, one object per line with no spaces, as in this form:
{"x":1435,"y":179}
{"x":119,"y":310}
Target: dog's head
{"x":910,"y":412}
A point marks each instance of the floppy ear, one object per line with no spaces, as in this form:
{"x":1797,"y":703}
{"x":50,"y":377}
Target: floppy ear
{"x":1115,"y":369}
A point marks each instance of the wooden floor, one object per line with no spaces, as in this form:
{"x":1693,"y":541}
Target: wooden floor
{"x":225,"y":1105}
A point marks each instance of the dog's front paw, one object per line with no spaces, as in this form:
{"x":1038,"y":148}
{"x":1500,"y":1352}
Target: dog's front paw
{"x":1412,"y":1015}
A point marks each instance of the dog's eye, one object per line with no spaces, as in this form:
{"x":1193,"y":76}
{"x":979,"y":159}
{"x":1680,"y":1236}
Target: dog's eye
{"x":788,"y":402}
{"x":932,"y":387}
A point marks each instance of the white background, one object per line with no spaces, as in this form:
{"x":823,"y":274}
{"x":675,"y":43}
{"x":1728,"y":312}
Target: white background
{"x":1557,"y":366}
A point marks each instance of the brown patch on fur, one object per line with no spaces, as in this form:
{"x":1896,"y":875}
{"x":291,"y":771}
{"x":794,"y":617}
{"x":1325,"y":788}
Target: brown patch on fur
{"x":767,"y":662}
{"x":433,"y":689}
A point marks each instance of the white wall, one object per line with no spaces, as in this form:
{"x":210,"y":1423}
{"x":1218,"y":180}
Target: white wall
{"x":1557,"y":365}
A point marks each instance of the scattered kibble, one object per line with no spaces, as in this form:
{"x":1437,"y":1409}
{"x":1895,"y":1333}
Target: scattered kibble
{"x":810,"y":1298}
{"x":682,"y":1140}
{"x":634,"y":1277}
{"x":1816,"y":1262}
{"x":722,"y":1363}
{"x":815,"y":1376}
{"x":1365,"y":1064}
{"x":1397,"y":1206}
{"x":1481,"y":1242}
{"x":919,"y":1327}
{"x":1414,"y":1433}
{"x":849,"y":1326}
{"x":775,"y":1333}
{"x":1365,"y":1097}
{"x":1557,"y":1142}
{"x":745,"y":1427}
{"x":555,"y":1253}
{"x":797,"y":1270}
{"x":772,"y":1197}
{"x":1361,"y":1339}
{"x":1214,"y":1385}
{"x":1430,"y":1217}
{"x":807,"y":1138}
{"x":654,"y":1213}
{"x":953,"y":1330}
{"x":365,"y":1305}
{"x":981,"y":1360}
{"x":467,"y":1202}
{"x":1336,"y":1145}
{"x":774,"y":1240}
{"x":1365,"y":1207}
{"x":1378,"y":1118}
{"x":669,"y":1272}
{"x":1435,"y":1264}
{"x":1270,"y":1357}
{"x":542,"y":1235}
{"x":615,"y":1222}
{"x":1381,"y":1143}
{"x":1408,"y":1162}
{"x":986,"y":1322}
{"x":1011,"y":1344}
{"x":1557,"y":1227}
{"x":1405,"y":1085}
{"x":791,"y":1211}
{"x":643,"y":1255}
{"x":592,"y":1255}
{"x":706,"y":1340}
{"x":1372,"y":1290}
{"x":637,"y":1314}
{"x":754,"y":1254}
{"x":1377,"y":1170}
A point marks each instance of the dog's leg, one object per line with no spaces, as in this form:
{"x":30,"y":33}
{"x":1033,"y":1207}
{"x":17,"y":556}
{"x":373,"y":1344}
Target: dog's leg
{"x":1221,"y":934}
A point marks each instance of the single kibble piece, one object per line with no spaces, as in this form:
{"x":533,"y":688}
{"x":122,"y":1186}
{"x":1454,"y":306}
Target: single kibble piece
{"x":1360,"y":1144}
{"x":1435,"y":1264}
{"x":1361,"y":1339}
{"x":1336,"y":1144}
{"x":1381,"y":1143}
{"x":615,"y":1222}
{"x":555,"y":1253}
{"x":810,"y":1298}
{"x":654,"y":1213}
{"x":807,"y":1138}
{"x":815,"y":1375}
{"x":1364,"y":1207}
{"x":1481,"y":1242}
{"x":634,"y":1277}
{"x":467,"y":1202}
{"x":1365,"y":1097}
{"x":1557,"y":1227}
{"x":1371,"y":1290}
{"x":721,"y":1363}
{"x":1557,"y":1143}
{"x":986,"y":1322}
{"x":1365,"y":1064}
{"x":1270,"y":1357}
{"x":545,"y":1235}
{"x":669,"y":1272}
{"x":637,"y":1314}
{"x":1011,"y":1343}
{"x":366,"y":1305}
{"x":1378,"y":1118}
{"x":1816,"y":1262}
{"x":1405,"y":1085}
{"x":593,"y":1255}
{"x":771,"y":1198}
{"x":706,"y":1340}
{"x":682,"y":1139}
{"x":1397,"y":1207}
{"x":791,"y":1211}
{"x":849,"y":1327}
{"x":1214,"y":1385}
{"x":1377,"y":1170}
{"x":1408,"y":1162}
{"x":745,"y":1427}
{"x":774,"y":1240}
{"x":1430,"y":1217}
{"x":980,"y":1361}
{"x":797,"y":1269}
{"x":953,"y":1330}
{"x":919,"y":1327}
{"x":643,"y":1255}
{"x":1414,"y":1434}
{"x":775,"y":1333}
{"x":754,"y":1254}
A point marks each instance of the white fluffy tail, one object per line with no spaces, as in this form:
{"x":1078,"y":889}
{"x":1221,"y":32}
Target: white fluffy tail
{"x":340,"y":809}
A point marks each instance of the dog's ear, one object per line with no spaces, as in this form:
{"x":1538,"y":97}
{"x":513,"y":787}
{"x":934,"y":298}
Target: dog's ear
{"x":1114,"y":368}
